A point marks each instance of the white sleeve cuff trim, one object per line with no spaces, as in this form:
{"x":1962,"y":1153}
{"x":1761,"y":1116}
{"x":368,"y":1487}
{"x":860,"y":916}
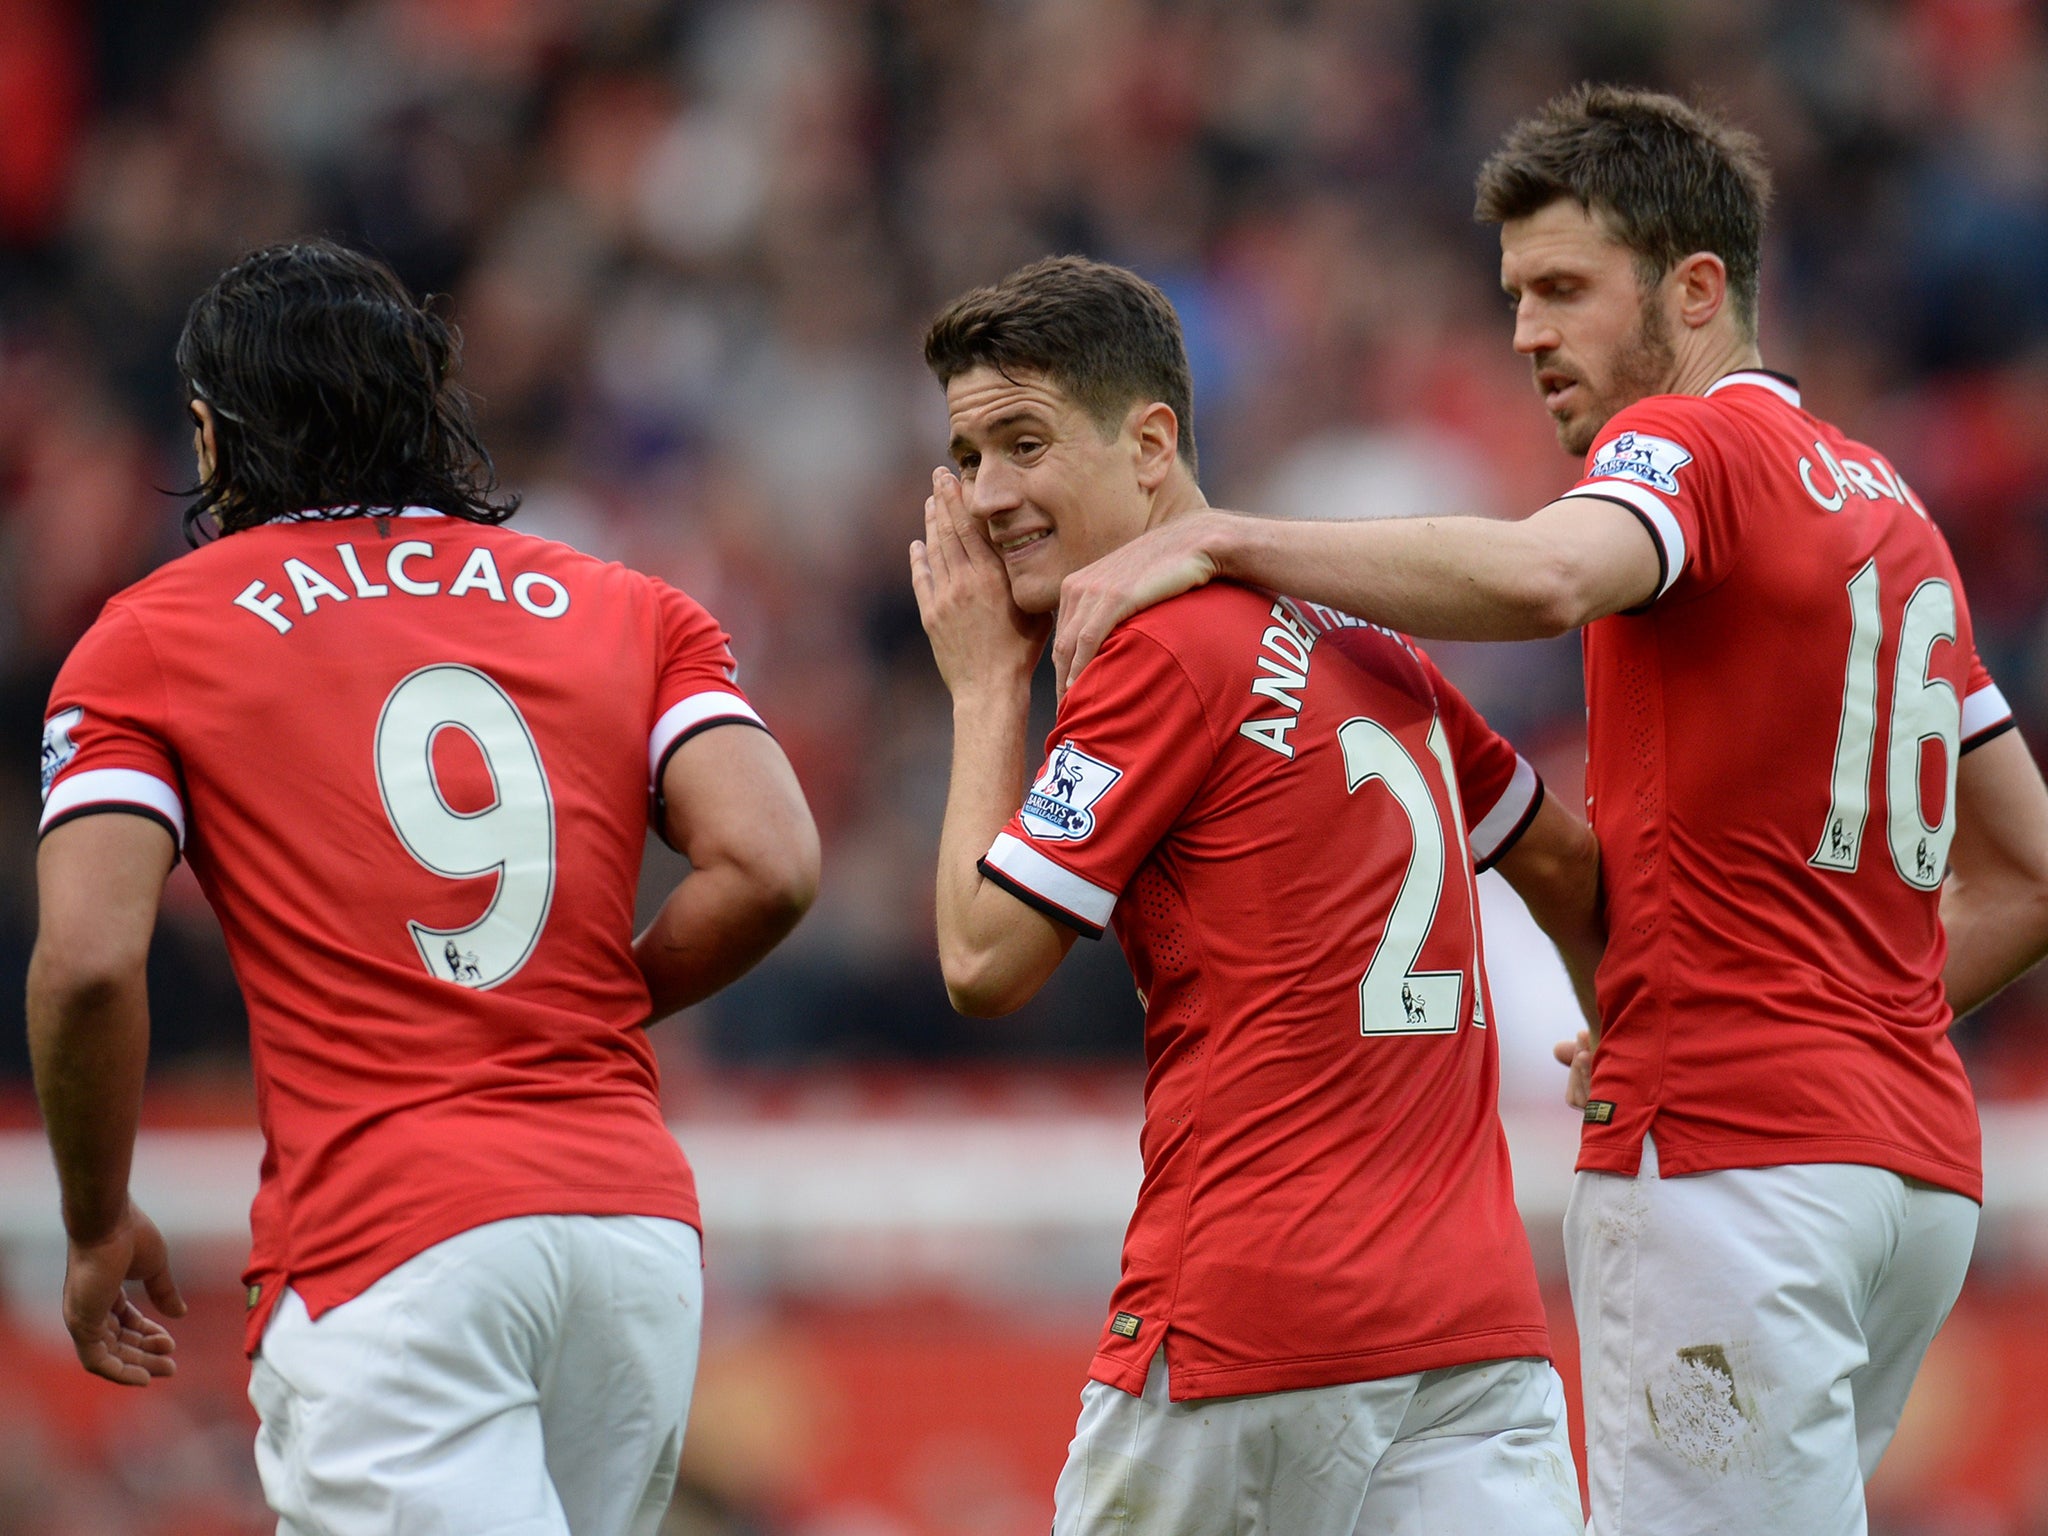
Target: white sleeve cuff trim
{"x":115,"y":786}
{"x":1020,"y":862}
{"x":681,"y":719}
{"x":1984,"y":709}
{"x":1507,"y":812}
{"x":1662,"y":523}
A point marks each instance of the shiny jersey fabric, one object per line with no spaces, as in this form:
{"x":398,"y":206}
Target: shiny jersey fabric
{"x":409,"y":759}
{"x":1279,"y":809}
{"x":1772,"y":749}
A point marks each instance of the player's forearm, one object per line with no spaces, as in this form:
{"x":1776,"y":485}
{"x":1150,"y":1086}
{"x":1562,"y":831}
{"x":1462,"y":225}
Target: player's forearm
{"x":715,"y":927}
{"x":1555,"y":868}
{"x":88,"y":1039}
{"x":992,"y":949}
{"x":1997,"y":932}
{"x":1441,"y":578}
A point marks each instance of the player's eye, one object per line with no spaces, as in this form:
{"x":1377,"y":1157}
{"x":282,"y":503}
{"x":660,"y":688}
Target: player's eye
{"x":1027,"y":446}
{"x":968,"y":462}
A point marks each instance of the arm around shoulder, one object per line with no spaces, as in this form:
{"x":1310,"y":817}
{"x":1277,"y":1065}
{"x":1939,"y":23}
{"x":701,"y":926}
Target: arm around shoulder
{"x":732,"y":806}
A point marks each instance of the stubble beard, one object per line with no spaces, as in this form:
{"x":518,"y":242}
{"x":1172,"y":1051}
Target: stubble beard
{"x":1643,"y":366}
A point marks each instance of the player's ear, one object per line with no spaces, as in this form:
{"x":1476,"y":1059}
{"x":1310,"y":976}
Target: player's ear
{"x":1701,"y":284}
{"x":1156,"y":432}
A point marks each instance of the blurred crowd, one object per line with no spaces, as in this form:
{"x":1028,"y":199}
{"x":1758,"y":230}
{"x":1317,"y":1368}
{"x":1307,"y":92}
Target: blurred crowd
{"x":692,"y":246}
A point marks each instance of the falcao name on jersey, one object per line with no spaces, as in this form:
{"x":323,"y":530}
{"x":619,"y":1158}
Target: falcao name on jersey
{"x":411,"y":568}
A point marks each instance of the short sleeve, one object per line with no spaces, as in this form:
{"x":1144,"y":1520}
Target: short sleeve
{"x":1666,"y":460}
{"x":106,"y":739}
{"x":1985,"y":713}
{"x":696,"y":687}
{"x":1497,"y":786}
{"x":1128,"y":751}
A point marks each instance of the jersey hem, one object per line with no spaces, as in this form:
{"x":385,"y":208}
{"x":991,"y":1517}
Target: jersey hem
{"x":328,"y":1287}
{"x":119,"y":807}
{"x":1685,"y":1157}
{"x":1044,"y":905}
{"x":1327,"y":1370}
{"x":1989,"y":733}
{"x":1522,"y":824}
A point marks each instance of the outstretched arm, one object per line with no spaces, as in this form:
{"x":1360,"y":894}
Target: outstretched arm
{"x":995,"y":950}
{"x":1442,"y":578}
{"x":1995,"y":904}
{"x":98,"y":881}
{"x":732,"y":805}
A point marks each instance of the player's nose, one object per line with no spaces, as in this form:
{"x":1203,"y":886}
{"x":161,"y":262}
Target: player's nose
{"x":994,"y":490}
{"x":1534,"y":333}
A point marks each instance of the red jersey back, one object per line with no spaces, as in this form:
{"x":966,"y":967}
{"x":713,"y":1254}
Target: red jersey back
{"x":409,"y":760}
{"x":1772,"y":753}
{"x":1273,"y":804}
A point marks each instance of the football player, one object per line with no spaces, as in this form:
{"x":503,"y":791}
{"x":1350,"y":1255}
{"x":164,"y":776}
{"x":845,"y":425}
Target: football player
{"x":410,"y":756}
{"x":1328,"y":1318}
{"x":1799,"y":771}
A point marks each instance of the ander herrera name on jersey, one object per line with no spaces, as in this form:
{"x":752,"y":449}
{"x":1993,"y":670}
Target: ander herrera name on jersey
{"x":411,"y":568}
{"x":1285,"y":652}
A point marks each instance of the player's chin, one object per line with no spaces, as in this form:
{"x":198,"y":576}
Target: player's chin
{"x":1036,"y":591}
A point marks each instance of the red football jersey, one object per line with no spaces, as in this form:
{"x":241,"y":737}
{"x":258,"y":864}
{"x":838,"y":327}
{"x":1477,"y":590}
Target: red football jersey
{"x":1273,"y":803}
{"x":1772,"y":751}
{"x":410,"y":760}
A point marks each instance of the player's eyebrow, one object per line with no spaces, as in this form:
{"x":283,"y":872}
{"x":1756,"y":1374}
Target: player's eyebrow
{"x":1023,"y":413}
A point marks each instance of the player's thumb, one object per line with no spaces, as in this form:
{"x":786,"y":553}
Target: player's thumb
{"x":163,"y":1292}
{"x":153,"y":1268}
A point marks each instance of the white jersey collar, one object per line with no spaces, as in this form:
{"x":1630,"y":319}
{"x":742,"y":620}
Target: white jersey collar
{"x":1778,"y":384}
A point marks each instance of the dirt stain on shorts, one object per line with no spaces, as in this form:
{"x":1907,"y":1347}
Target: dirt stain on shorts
{"x":1699,"y":1411}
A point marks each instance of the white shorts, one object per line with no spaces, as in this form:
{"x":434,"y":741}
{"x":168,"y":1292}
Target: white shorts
{"x":1747,"y":1338}
{"x":525,"y":1378}
{"x":1475,"y":1450}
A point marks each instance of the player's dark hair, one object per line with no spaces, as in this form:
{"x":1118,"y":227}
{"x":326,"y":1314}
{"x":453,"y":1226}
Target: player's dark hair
{"x":1103,"y":334}
{"x":1669,"y":178}
{"x":333,"y":392}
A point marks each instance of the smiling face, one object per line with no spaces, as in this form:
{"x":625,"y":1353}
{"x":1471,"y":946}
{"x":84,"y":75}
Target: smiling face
{"x":1597,"y":339}
{"x":1053,"y":491}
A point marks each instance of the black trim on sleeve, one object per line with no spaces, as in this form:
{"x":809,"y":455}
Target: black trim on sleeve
{"x":1656,"y":538}
{"x":1989,"y":733}
{"x":657,"y":802}
{"x":124,"y":807}
{"x":1031,"y":898}
{"x":1515,"y":833}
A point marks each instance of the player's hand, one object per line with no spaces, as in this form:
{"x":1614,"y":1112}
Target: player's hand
{"x":112,"y":1337}
{"x":979,"y":636}
{"x":1578,"y":1055}
{"x":1169,"y":560}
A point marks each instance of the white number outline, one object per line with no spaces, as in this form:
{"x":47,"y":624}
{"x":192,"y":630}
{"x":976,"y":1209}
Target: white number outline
{"x":1371,"y":751}
{"x":1923,"y":708}
{"x":392,"y":758}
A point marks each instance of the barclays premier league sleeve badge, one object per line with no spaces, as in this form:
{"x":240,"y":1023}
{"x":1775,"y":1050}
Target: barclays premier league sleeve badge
{"x":1651,"y":461}
{"x":1058,"y":809}
{"x":58,"y":747}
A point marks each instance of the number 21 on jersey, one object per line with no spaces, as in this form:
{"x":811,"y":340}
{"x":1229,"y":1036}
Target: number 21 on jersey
{"x":1394,"y":998}
{"x":1924,"y":709}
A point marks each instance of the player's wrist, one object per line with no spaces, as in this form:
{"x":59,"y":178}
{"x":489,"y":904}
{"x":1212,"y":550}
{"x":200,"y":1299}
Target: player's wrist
{"x":1222,"y":539}
{"x":1006,"y":692}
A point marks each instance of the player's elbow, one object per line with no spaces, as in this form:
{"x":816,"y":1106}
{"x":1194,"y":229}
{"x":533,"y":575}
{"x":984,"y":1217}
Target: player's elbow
{"x":1556,"y":594}
{"x":70,"y":976}
{"x":781,"y":874}
{"x":983,"y":982}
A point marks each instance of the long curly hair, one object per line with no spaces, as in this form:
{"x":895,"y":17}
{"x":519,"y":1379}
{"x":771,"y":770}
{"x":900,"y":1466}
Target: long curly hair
{"x":333,"y":393}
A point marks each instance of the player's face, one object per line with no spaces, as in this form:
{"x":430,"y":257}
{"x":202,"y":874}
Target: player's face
{"x":1051,"y":490}
{"x":1597,"y":340}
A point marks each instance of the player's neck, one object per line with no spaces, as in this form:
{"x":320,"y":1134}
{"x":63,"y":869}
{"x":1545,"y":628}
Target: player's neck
{"x":1712,"y":358}
{"x":1178,"y":496}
